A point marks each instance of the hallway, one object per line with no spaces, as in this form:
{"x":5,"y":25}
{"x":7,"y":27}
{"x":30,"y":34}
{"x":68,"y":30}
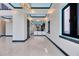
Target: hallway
{"x":18,"y":21}
{"x":35,"y":46}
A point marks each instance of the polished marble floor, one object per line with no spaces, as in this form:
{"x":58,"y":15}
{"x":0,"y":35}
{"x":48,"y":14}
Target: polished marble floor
{"x":35,"y":46}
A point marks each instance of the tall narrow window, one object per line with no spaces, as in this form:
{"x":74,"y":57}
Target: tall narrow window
{"x":69,"y":20}
{"x":66,"y":20}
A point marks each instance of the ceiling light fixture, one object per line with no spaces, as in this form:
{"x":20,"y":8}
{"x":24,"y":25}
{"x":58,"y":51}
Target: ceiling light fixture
{"x":26,"y":6}
{"x":50,"y":11}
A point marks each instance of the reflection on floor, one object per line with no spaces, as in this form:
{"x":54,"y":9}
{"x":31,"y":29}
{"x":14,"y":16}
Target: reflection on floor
{"x":35,"y":46}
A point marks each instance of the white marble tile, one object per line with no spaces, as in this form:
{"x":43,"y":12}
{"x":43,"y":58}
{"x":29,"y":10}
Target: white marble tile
{"x":35,"y":46}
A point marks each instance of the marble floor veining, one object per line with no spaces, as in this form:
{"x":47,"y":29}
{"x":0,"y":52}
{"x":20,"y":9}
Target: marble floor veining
{"x":35,"y":46}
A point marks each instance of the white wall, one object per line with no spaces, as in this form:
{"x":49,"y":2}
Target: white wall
{"x":2,"y":27}
{"x":46,"y":26}
{"x":7,"y":12}
{"x":30,"y":28}
{"x":55,"y":27}
{"x":5,"y":27}
{"x":9,"y":28}
{"x":19,"y":26}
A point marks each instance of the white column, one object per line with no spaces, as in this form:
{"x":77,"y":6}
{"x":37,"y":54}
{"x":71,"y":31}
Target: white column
{"x":19,"y":21}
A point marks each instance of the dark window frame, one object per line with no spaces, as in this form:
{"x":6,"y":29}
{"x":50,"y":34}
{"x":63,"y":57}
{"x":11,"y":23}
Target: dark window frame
{"x":70,"y":36}
{"x":63,"y":20}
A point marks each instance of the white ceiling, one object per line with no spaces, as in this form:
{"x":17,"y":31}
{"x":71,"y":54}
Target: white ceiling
{"x":38,"y":11}
{"x":34,"y":11}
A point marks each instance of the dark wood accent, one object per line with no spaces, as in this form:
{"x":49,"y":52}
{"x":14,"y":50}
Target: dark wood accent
{"x":9,"y":35}
{"x":1,"y":36}
{"x":19,"y":40}
{"x":28,"y":29}
{"x":49,"y":27}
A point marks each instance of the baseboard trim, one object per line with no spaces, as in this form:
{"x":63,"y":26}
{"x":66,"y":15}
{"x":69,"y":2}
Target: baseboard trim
{"x":57,"y":46}
{"x":6,"y":35}
{"x":19,"y":40}
{"x":2,"y":36}
{"x":38,"y":35}
{"x":9,"y":35}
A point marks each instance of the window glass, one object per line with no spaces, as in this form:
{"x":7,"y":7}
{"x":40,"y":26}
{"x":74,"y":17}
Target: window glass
{"x":66,"y":20}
